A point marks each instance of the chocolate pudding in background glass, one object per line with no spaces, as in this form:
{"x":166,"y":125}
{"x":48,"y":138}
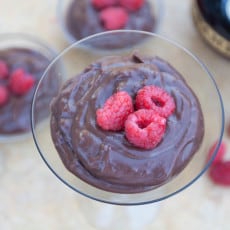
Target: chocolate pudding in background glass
{"x":76,"y":59}
{"x":27,"y":54}
{"x":79,"y":19}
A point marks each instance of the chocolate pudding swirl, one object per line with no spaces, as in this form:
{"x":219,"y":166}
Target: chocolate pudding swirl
{"x":15,"y":115}
{"x":83,"y":20}
{"x":106,"y":159}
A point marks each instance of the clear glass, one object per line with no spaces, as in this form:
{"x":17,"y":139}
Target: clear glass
{"x":157,"y":7}
{"x":19,"y":40}
{"x":76,"y":59}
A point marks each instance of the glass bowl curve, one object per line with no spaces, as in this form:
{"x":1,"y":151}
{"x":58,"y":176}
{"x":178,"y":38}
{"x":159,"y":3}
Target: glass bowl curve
{"x":196,"y":74}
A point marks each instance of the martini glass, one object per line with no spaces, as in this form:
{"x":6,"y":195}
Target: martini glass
{"x":15,"y":117}
{"x":80,"y":55}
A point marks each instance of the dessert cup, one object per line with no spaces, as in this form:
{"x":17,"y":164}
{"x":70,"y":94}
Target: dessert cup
{"x":24,"y":44}
{"x":63,"y":9}
{"x":197,"y":76}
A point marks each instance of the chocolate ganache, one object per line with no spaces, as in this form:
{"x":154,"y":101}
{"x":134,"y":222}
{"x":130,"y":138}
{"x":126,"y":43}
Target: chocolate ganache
{"x":15,"y":115}
{"x":105,"y":159}
{"x":83,"y":19}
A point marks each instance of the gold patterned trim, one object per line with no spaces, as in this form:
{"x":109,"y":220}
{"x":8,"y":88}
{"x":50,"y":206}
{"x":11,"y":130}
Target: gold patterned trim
{"x":218,"y":42}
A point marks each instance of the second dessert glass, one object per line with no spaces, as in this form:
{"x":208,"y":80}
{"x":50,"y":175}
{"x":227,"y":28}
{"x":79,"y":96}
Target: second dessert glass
{"x":64,"y":7}
{"x":26,"y":53}
{"x":197,"y":76}
{"x":32,"y":54}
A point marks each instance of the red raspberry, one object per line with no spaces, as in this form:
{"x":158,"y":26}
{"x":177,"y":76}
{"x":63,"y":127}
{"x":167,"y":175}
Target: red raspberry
{"x":20,"y":82}
{"x":220,"y":154}
{"x":4,"y":71}
{"x":99,"y":4}
{"x":4,"y":95}
{"x":113,"y":18}
{"x":220,"y":173}
{"x":132,"y":5}
{"x":145,"y":128}
{"x":155,"y":98}
{"x":115,"y":111}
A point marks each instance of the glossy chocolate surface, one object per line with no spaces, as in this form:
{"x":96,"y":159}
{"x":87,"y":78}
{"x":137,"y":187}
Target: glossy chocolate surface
{"x":106,"y":159}
{"x":15,"y":114}
{"x":82,"y":20}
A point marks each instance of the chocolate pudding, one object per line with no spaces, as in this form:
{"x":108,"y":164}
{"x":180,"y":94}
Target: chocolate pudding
{"x":106,"y":159}
{"x":83,"y":19}
{"x":15,"y":114}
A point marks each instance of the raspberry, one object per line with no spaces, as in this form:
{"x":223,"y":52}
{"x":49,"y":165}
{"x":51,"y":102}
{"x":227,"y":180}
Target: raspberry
{"x":113,"y":18}
{"x":132,"y":5}
{"x":220,"y":154}
{"x":99,"y":4}
{"x":155,"y":98}
{"x":3,"y":69}
{"x":20,"y":82}
{"x":145,"y":128}
{"x":115,"y":111}
{"x":4,"y":95}
{"x":220,"y":173}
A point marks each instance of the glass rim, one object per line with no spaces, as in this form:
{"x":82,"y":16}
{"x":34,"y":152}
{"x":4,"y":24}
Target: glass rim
{"x":29,"y":37}
{"x":170,"y":41}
